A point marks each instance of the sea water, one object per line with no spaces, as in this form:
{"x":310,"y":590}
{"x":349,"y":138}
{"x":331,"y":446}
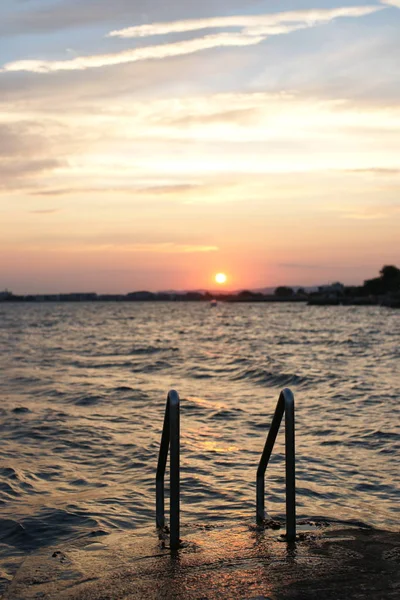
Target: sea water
{"x":83,"y":389}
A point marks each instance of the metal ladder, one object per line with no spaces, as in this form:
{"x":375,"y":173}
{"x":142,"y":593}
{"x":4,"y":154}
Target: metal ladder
{"x":170,"y":439}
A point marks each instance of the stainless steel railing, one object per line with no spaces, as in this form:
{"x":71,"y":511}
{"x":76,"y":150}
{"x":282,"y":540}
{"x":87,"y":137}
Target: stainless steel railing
{"x":285,"y":405}
{"x":170,"y":439}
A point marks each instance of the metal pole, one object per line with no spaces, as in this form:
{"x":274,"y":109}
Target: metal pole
{"x":260,"y":499}
{"x":174,"y":468}
{"x":290,"y":466}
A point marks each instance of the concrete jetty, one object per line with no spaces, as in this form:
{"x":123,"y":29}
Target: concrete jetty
{"x":229,"y":561}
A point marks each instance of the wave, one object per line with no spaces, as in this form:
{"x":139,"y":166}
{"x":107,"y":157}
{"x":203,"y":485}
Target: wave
{"x":44,"y":528}
{"x":261,"y":376}
{"x":83,"y":406}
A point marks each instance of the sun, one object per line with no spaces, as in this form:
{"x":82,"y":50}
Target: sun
{"x":220,"y":278}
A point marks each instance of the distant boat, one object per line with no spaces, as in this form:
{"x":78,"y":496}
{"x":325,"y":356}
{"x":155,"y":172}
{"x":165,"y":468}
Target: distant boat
{"x":213,"y":303}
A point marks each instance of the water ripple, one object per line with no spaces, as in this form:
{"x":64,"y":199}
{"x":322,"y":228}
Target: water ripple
{"x":83,"y":397}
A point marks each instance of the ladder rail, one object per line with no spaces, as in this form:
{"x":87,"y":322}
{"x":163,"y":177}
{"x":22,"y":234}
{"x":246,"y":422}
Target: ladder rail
{"x":170,"y":441}
{"x":285,"y":406}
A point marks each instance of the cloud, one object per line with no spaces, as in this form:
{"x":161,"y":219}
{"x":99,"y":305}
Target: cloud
{"x":384,"y":171}
{"x":153,"y":190}
{"x":91,"y":246}
{"x":138,"y":54}
{"x":332,"y":64}
{"x":267,"y":24}
{"x":300,"y":266}
{"x":391,"y":3}
{"x":241,"y":115}
{"x":56,"y":15}
{"x":177,"y":188}
{"x":11,"y":171}
{"x":256,"y":30}
{"x":20,"y":138}
{"x":58,"y":192}
{"x":369,"y":213}
{"x":25,"y":147}
{"x":44,"y":211}
{"x":174,"y":150}
{"x":170,"y":248}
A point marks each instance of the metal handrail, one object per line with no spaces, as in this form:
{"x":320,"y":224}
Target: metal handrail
{"x":170,"y":439}
{"x":285,"y":405}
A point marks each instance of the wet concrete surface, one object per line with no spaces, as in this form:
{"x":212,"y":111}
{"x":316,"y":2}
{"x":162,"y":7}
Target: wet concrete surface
{"x":219,"y":562}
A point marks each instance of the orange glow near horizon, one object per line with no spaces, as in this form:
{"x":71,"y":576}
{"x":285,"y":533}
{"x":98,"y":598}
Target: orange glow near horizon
{"x":220,"y":278}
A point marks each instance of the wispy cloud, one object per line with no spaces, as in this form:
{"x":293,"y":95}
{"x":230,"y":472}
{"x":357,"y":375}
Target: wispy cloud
{"x":175,"y":149}
{"x":152,"y":248}
{"x":377,"y":171}
{"x":172,"y":248}
{"x":255,"y":29}
{"x":21,"y":138}
{"x":138,"y":54}
{"x":12,"y":170}
{"x":391,"y":3}
{"x":266,"y":24}
{"x":44,"y":211}
{"x":153,"y":190}
{"x":373,"y":212}
{"x":299,"y":266}
{"x":50,"y":16}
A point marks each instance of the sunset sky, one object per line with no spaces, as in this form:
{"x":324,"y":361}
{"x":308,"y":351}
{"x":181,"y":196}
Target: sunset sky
{"x":153,"y":144}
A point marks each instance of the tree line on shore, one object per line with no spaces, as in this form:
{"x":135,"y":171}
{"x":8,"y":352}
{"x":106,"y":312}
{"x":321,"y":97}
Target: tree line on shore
{"x":388,"y":282}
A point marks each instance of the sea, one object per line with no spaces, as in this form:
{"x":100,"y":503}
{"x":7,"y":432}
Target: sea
{"x":83,"y":388}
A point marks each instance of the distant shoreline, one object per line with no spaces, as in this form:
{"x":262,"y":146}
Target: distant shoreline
{"x":383,"y":290}
{"x":310,"y":300}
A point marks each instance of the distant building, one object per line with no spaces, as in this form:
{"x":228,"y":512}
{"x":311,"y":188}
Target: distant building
{"x":5,"y":295}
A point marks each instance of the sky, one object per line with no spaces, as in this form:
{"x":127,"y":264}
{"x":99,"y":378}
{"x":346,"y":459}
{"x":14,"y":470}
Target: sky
{"x":153,"y":144}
